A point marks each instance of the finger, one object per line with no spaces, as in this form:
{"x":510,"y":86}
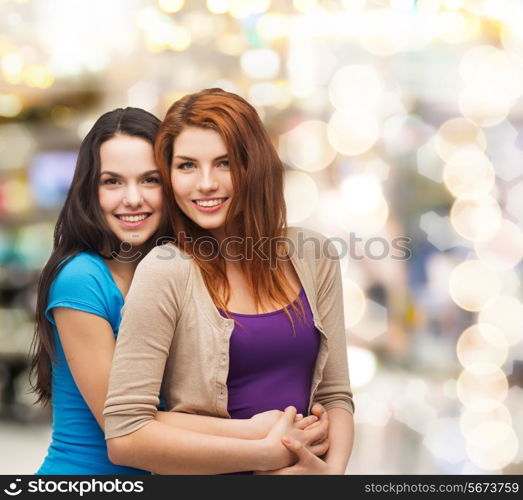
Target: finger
{"x":316,"y":432}
{"x":320,"y":428}
{"x":285,"y":421}
{"x":288,"y":416}
{"x":296,"y":447}
{"x":318,"y":409}
{"x":319,"y":449}
{"x":314,"y":425}
{"x":306,"y":422}
{"x":290,"y":411}
{"x":299,"y":417}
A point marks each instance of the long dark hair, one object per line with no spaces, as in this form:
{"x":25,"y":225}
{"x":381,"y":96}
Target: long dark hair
{"x":81,"y":226}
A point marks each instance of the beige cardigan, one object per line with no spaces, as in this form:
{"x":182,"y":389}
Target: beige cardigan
{"x":173,"y":341}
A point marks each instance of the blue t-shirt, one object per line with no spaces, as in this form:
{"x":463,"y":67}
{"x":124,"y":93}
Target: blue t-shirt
{"x":78,"y":443}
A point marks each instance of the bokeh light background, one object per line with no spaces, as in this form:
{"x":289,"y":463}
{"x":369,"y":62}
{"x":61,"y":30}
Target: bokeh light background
{"x":395,"y":119}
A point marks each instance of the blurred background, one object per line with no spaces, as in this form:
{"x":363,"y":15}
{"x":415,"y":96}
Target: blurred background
{"x":399,"y":122}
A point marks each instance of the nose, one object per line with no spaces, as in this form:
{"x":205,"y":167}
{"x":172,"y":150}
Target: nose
{"x":133,"y":196}
{"x":207,"y":182}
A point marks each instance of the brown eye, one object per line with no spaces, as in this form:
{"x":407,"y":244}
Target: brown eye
{"x":110,"y":182}
{"x":152,"y":180}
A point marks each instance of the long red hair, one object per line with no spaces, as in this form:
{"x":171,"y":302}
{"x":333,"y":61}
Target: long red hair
{"x":257,"y":209}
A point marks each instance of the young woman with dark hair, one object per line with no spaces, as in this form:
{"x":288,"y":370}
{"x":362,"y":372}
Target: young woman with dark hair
{"x":234,"y":318}
{"x":115,"y":201}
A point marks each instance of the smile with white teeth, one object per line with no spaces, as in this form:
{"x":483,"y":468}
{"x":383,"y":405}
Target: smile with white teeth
{"x":210,"y":203}
{"x":132,"y":218}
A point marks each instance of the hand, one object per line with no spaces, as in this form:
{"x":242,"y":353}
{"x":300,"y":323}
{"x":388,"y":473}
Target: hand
{"x":316,"y":425}
{"x":261,"y":423}
{"x":276,"y":455}
{"x":307,"y":463}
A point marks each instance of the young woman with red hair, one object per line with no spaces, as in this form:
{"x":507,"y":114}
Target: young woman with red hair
{"x":238,"y":316}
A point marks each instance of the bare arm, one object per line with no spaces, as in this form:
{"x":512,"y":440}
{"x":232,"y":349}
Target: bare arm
{"x":164,"y":450}
{"x":341,"y":438}
{"x":341,"y":434}
{"x":230,"y":445}
{"x":89,"y":343}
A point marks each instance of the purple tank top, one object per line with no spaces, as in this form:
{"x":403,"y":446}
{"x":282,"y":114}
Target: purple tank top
{"x":270,"y":366}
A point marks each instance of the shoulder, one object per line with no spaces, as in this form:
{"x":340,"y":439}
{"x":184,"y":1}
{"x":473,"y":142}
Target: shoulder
{"x":83,"y":266}
{"x":165,"y":262}
{"x":84,"y":283}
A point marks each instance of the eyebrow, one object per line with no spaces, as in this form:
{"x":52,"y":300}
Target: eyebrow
{"x":188,"y":158}
{"x":114,"y":174}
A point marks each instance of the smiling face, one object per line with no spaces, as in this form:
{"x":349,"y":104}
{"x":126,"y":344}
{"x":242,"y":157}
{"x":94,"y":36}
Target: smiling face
{"x":130,"y":191}
{"x":201,"y":178}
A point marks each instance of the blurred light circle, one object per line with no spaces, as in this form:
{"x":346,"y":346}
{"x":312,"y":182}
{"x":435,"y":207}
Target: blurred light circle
{"x":472,"y":284}
{"x":38,"y":76}
{"x":361,"y":193}
{"x":377,"y":167}
{"x":352,"y":133}
{"x":171,"y":6}
{"x":12,"y":65}
{"x":491,"y":71}
{"x":511,"y":34}
{"x":471,"y":418}
{"x":492,"y":445}
{"x":476,"y":220}
{"x":486,"y":110}
{"x":273,"y":26}
{"x":218,"y":6}
{"x":474,"y":346}
{"x":365,"y":224}
{"x":231,"y":44}
{"x":244,"y":8}
{"x":269,"y":94}
{"x":479,"y":388}
{"x":504,"y":250}
{"x":204,"y":27}
{"x":16,"y":197}
{"x":353,"y":302}
{"x":16,"y":146}
{"x":468,"y":174}
{"x":305,"y":5}
{"x":455,"y":27}
{"x":355,"y":86}
{"x":306,"y":146}
{"x":260,"y":63}
{"x":365,"y":219}
{"x":180,"y":39}
{"x":301,"y":195}
{"x":354,"y":5}
{"x":429,"y":6}
{"x":363,"y":366}
{"x":387,"y":32}
{"x":10,"y":105}
{"x":506,"y":313}
{"x":457,"y":133}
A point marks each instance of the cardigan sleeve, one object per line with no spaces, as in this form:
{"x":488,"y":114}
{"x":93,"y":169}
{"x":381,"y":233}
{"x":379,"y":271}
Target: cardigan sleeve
{"x":149,"y":319}
{"x":334,"y":389}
